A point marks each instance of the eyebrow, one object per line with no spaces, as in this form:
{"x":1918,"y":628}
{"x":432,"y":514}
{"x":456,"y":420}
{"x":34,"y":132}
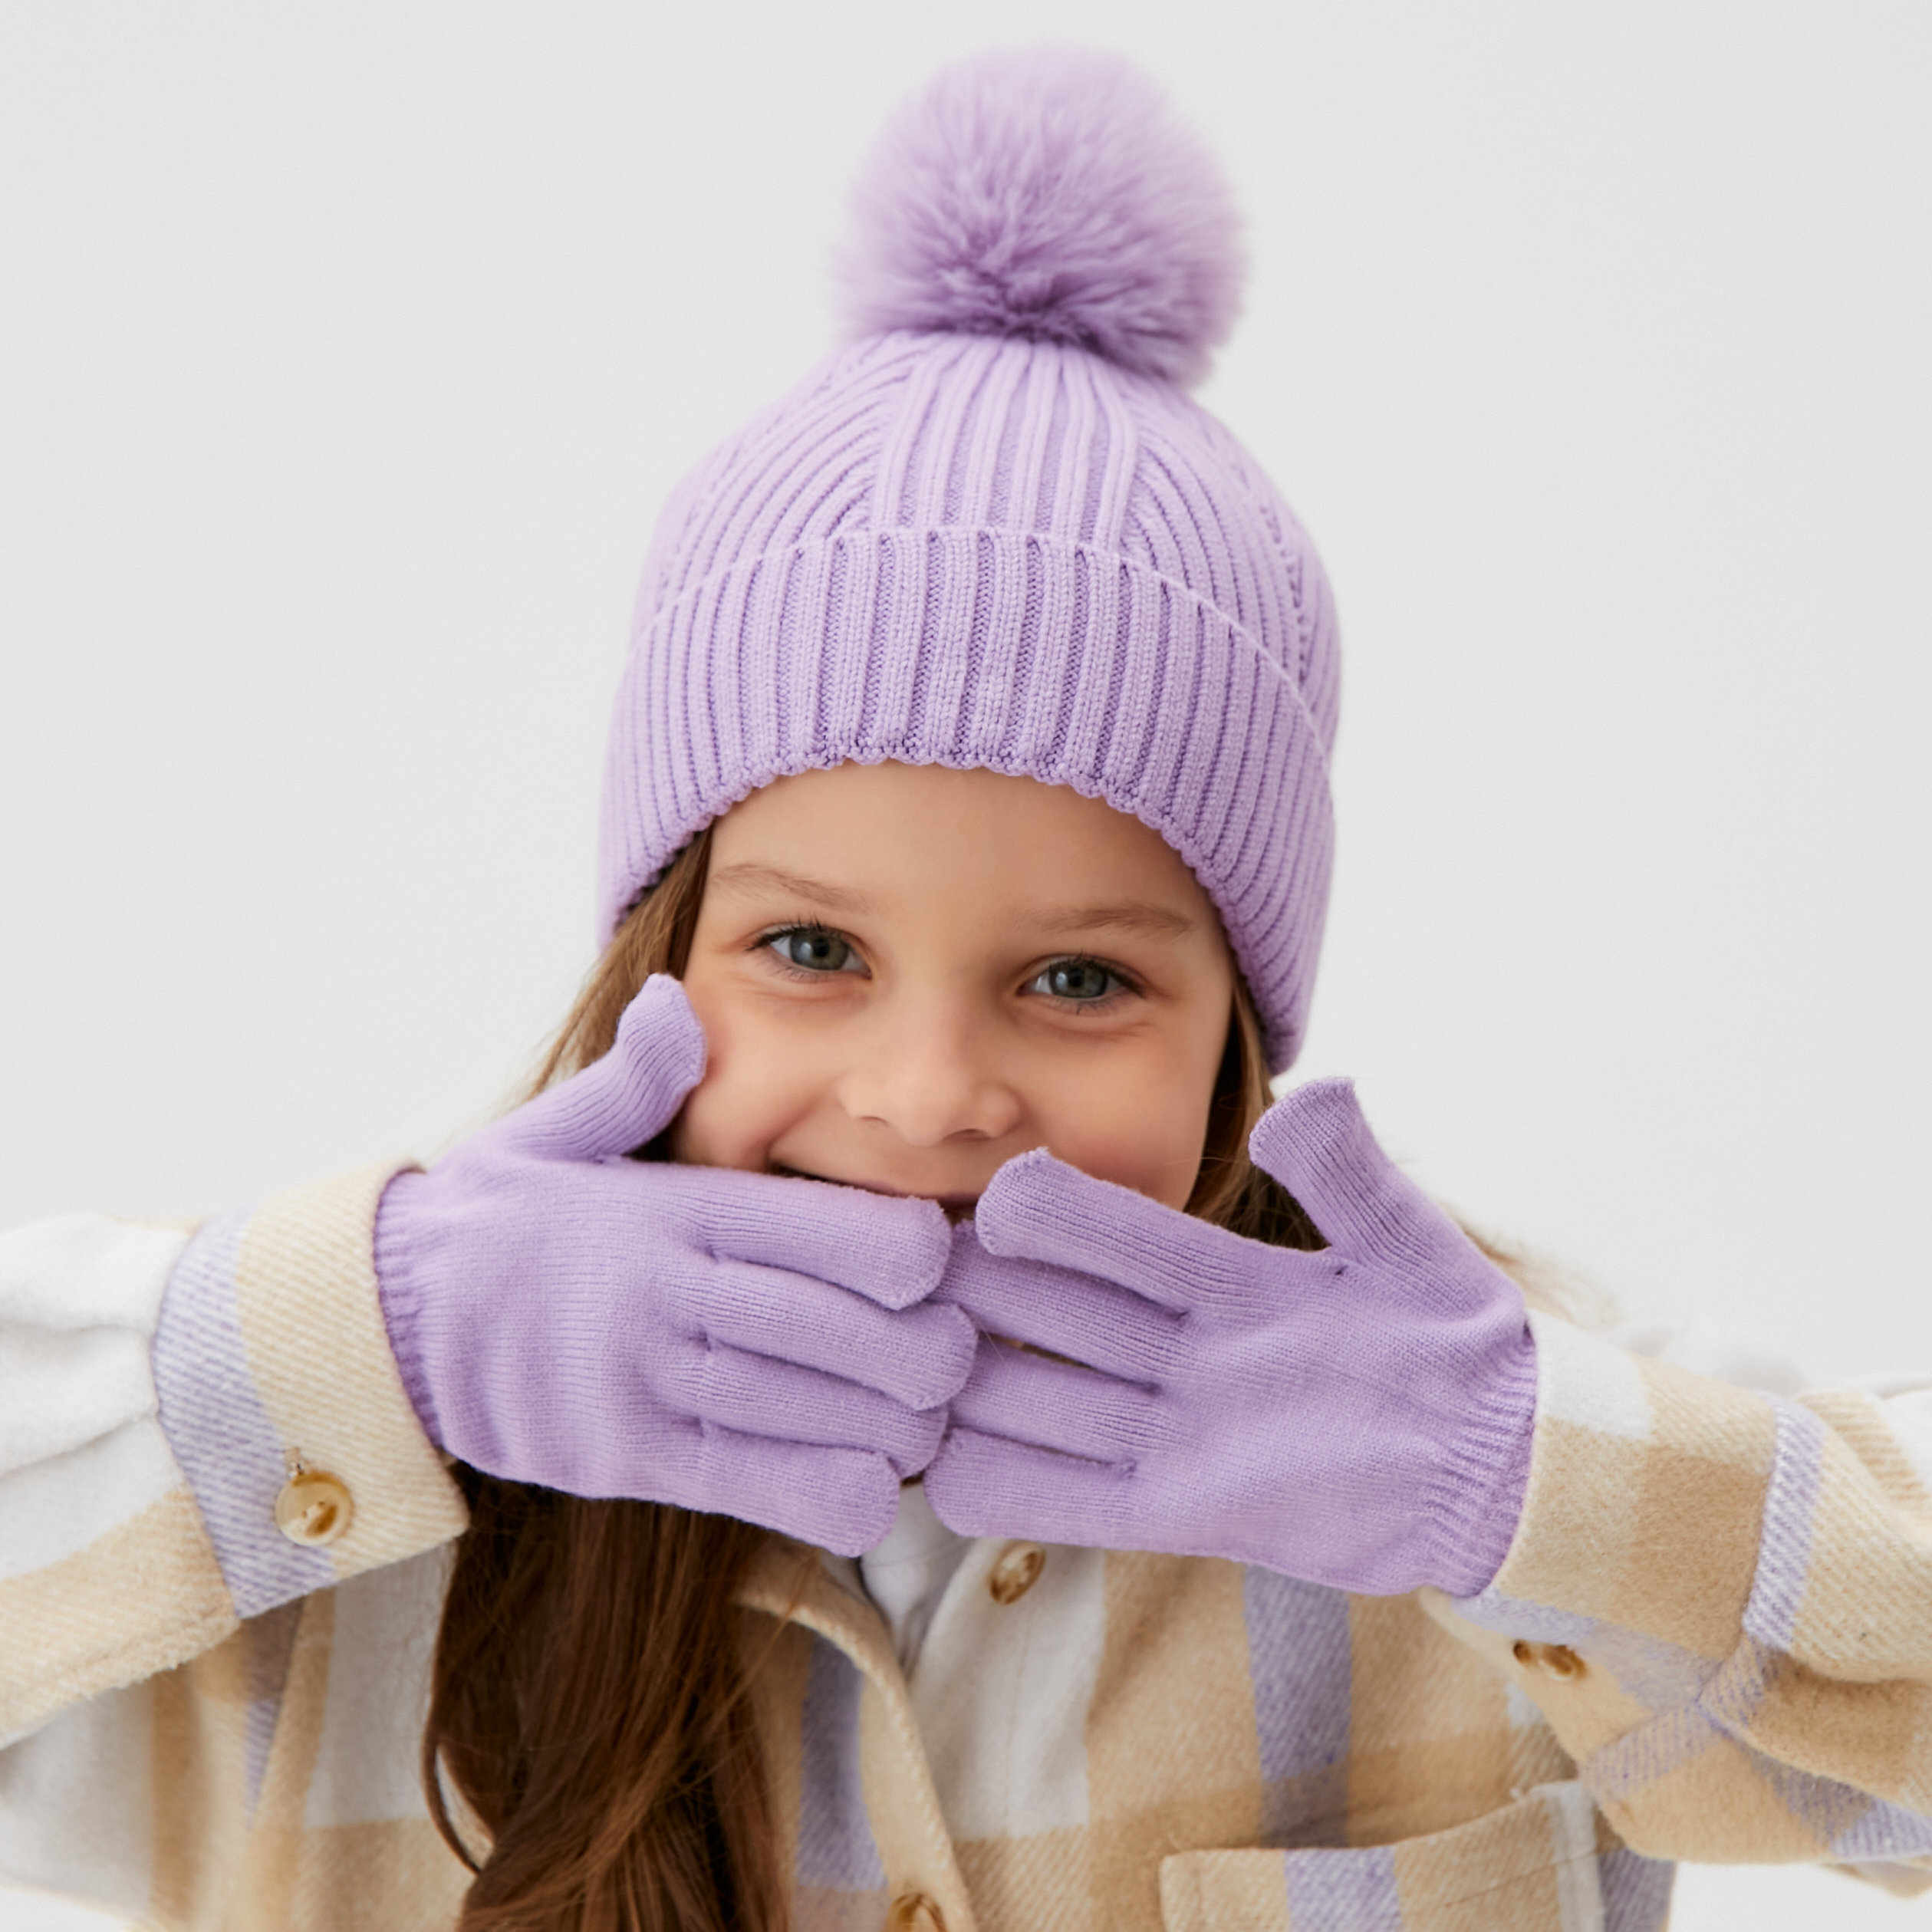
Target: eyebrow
{"x":744,"y":880}
{"x":749,"y":877}
{"x":1136,"y":915}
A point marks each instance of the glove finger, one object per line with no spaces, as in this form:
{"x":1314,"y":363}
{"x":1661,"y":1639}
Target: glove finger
{"x":627,"y":1097}
{"x":730,"y":1389}
{"x":1315,"y":1142}
{"x":917,"y":1356}
{"x":1039,"y":1208}
{"x":1079,"y":1316}
{"x":1026,"y":1398}
{"x":890,"y":1249}
{"x":842,"y":1499}
{"x":983,"y":1486}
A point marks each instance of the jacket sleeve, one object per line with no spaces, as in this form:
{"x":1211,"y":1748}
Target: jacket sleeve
{"x":157,"y":1388}
{"x":1721,"y":1599}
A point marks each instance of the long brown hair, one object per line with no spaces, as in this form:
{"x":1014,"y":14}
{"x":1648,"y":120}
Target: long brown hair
{"x":618,"y":1792}
{"x":616,"y":1795}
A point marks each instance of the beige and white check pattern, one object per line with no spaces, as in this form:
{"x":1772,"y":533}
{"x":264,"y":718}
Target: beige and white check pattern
{"x":1712,"y":1639}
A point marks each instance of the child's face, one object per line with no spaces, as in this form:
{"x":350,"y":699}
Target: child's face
{"x":908,"y":975}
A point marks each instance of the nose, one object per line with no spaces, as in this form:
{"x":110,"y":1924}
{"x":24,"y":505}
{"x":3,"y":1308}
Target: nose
{"x":930,"y":1069}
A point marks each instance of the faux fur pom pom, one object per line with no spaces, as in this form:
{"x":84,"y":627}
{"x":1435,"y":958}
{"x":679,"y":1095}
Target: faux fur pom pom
{"x":1053,"y":194}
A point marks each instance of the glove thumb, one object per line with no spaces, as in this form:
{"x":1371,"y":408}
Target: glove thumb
{"x":627,"y":1097}
{"x":1316,"y":1144}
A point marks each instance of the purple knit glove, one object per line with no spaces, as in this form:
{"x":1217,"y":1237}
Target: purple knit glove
{"x":739,"y":1343}
{"x":1360,"y":1417}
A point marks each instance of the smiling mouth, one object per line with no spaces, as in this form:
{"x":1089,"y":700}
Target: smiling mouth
{"x":957,"y":1206}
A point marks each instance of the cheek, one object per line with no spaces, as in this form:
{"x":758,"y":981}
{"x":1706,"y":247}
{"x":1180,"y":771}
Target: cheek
{"x":716,"y":1129}
{"x":1139,"y":1122}
{"x":755,"y":1085}
{"x":1161,"y":1158}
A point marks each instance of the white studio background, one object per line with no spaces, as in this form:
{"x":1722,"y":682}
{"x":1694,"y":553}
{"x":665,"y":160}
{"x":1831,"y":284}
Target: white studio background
{"x":346,"y":353}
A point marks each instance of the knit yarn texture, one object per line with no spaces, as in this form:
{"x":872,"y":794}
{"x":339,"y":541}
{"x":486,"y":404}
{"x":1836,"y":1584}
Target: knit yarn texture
{"x":975,"y":551}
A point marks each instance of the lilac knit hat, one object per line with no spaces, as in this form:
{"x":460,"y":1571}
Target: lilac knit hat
{"x":994,"y":531}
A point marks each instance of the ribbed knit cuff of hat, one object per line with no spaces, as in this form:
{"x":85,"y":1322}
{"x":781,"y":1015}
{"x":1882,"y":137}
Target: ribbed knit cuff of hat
{"x":1475,"y":1496}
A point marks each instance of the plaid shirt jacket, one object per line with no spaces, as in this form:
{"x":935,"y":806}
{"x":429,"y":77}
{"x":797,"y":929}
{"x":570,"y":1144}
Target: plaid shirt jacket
{"x":1712,"y":1639}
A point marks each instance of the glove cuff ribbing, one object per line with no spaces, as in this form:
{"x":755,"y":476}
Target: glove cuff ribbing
{"x":1476,"y":1500}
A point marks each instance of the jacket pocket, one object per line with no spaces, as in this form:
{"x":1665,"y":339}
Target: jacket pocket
{"x":1531,"y":1867}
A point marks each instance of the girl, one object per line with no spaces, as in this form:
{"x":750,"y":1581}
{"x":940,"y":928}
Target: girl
{"x":978,"y":1463}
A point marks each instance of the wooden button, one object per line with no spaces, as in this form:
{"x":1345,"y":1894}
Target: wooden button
{"x":314,"y":1508}
{"x":914,"y":1912}
{"x":1015,"y":1571}
{"x":1553,"y":1659}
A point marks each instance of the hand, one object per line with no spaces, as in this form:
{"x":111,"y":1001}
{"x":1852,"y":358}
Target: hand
{"x":740,"y":1343}
{"x":1359,"y":1416}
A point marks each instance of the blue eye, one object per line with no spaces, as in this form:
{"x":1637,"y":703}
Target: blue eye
{"x":1083,"y":981}
{"x":813,"y":949}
